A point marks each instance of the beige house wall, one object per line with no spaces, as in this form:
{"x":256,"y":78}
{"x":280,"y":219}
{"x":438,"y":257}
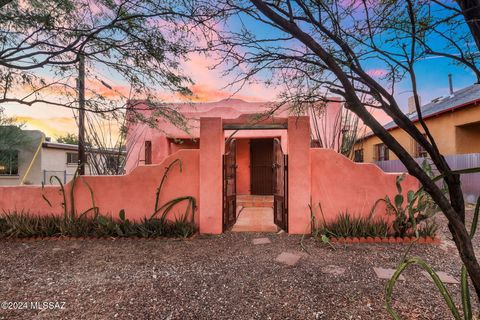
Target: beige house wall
{"x":31,"y":168}
{"x":455,"y":132}
{"x":25,"y":156}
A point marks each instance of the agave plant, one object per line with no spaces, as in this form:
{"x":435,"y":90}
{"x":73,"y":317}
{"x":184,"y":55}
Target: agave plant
{"x":347,"y":225}
{"x":164,"y":209}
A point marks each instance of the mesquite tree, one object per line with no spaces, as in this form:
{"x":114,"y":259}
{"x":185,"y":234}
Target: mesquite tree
{"x":328,"y":47}
{"x":470,"y":9}
{"x":139,"y":43}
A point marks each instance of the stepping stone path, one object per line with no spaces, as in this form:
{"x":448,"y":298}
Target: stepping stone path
{"x":444,"y":277}
{"x":261,"y":241}
{"x":333,"y":269}
{"x":386,"y":274}
{"x":288,"y":258}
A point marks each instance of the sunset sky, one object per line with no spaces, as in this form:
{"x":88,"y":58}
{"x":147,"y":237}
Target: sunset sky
{"x":209,"y":85}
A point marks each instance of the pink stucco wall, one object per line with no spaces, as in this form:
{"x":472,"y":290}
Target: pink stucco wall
{"x":135,"y":192}
{"x":212,"y":147}
{"x":340,"y":185}
{"x":314,"y":176}
{"x":298,"y":175}
{"x":229,"y":110}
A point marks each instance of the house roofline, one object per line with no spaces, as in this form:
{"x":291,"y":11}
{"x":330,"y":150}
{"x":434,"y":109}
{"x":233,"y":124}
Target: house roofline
{"x":57,"y":145}
{"x":435,"y":114}
{"x":73,"y":147}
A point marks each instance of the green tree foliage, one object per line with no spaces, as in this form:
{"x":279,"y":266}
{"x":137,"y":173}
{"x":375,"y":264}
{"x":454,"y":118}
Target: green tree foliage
{"x":69,"y":138}
{"x":12,"y":138}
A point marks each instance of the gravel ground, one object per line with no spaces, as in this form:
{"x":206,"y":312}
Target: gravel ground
{"x":216,"y":277}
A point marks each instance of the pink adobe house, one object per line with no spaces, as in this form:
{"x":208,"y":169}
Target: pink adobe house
{"x":167,"y":138}
{"x":246,"y":163}
{"x":264,"y":177}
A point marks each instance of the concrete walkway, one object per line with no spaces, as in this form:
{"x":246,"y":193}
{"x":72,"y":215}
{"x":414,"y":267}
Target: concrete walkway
{"x":255,"y":219}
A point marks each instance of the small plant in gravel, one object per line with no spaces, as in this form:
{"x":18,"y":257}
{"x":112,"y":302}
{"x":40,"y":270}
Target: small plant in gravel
{"x":428,"y":228}
{"x":407,"y":261}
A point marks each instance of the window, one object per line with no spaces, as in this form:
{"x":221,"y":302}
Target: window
{"x":148,"y":152}
{"x":381,"y":152}
{"x":420,"y":151}
{"x":358,"y":155}
{"x":9,"y":162}
{"x":72,"y":158}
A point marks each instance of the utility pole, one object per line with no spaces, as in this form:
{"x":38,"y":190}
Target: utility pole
{"x":82,"y":159}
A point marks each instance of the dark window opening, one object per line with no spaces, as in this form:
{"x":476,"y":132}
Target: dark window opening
{"x":148,"y":152}
{"x":381,"y":152}
{"x":9,"y":162}
{"x":420,"y":151}
{"x":72,"y":158}
{"x":358,"y":155}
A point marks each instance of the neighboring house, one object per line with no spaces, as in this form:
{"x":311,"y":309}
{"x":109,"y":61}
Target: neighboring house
{"x":38,"y":159}
{"x":453,"y":121}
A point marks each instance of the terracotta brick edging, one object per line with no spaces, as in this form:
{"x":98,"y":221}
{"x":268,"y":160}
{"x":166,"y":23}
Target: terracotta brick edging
{"x":404,"y":240}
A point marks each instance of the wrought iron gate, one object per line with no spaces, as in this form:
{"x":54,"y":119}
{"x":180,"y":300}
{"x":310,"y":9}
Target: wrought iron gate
{"x":280,"y":186}
{"x":229,"y":184}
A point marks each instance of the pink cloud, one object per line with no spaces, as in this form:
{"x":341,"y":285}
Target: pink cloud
{"x":377,"y":72}
{"x":212,"y":85}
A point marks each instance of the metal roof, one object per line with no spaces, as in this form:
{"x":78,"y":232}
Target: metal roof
{"x":458,"y":99}
{"x":74,"y":147}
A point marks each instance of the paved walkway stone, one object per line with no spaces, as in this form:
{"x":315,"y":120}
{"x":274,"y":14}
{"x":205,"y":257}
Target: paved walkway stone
{"x":261,"y":241}
{"x":333,"y":269}
{"x":445,"y":277}
{"x":386,"y":273}
{"x":288,"y":258}
{"x":253,"y":219}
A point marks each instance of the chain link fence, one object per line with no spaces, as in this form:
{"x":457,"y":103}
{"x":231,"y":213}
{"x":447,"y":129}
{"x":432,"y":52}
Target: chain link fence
{"x":64,"y":176}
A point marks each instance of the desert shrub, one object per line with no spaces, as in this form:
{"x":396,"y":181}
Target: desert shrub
{"x":22,"y":224}
{"x":346,"y":225}
{"x":91,"y":223}
{"x":410,"y":211}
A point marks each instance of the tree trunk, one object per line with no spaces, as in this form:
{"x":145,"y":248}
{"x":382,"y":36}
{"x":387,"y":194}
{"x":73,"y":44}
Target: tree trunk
{"x":454,"y":209}
{"x":471,"y":13}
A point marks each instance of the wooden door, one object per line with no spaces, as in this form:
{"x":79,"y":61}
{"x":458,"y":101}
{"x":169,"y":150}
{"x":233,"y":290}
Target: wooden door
{"x":261,"y":166}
